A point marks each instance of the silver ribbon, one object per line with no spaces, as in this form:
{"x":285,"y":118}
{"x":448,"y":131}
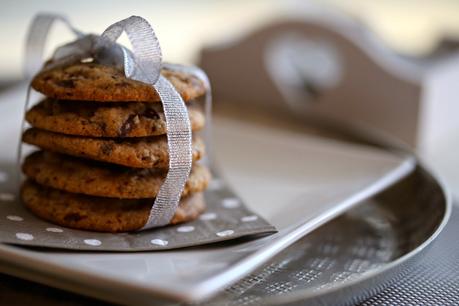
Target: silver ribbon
{"x":142,"y":64}
{"x":201,"y":75}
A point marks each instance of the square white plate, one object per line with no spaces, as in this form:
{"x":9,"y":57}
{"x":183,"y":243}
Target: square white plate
{"x":296,"y":181}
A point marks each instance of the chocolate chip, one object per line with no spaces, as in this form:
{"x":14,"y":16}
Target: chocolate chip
{"x":65,"y":83}
{"x":151,"y":113}
{"x":103,"y":126}
{"x":122,"y":84}
{"x":107,"y":148}
{"x":146,"y":158}
{"x":127,"y":126}
{"x":73,"y":217}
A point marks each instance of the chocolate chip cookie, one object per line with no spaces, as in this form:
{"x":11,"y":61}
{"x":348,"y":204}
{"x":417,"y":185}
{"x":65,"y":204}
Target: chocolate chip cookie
{"x":101,"y":179}
{"x":148,"y":152}
{"x":95,"y":82}
{"x":133,"y":119}
{"x":100,"y":214}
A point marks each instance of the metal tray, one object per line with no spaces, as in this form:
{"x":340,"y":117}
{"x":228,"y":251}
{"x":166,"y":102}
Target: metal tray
{"x":354,"y":256}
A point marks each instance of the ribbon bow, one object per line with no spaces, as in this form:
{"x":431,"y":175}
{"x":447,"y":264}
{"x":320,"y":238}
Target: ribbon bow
{"x":144,"y":64}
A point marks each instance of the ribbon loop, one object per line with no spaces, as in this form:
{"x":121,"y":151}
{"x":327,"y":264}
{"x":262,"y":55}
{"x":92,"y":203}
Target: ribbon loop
{"x":36,"y":40}
{"x":145,"y":45}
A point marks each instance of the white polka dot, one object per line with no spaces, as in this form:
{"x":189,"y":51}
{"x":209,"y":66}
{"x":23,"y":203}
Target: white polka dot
{"x":185,"y":229}
{"x":3,"y":177}
{"x":231,"y":203}
{"x":54,"y":230}
{"x":15,"y":218}
{"x":24,"y":236}
{"x":4,"y":196}
{"x":208,"y":216}
{"x":93,"y":242}
{"x":159,"y":242}
{"x":225,"y":233}
{"x":215,"y":184}
{"x":249,"y":218}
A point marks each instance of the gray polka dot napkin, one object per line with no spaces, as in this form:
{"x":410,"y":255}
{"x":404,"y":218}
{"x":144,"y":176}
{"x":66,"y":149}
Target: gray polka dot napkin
{"x":226,"y":218}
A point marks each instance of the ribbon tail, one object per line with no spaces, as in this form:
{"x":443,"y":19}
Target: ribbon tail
{"x":180,"y":155}
{"x":145,"y":65}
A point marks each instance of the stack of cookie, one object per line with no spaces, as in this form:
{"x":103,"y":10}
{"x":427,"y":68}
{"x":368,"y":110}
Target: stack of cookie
{"x":104,"y":152}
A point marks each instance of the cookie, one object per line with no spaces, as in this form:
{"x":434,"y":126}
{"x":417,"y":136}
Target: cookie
{"x":106,"y":119}
{"x":100,"y":214}
{"x":150,"y":152}
{"x":95,"y":82}
{"x":106,"y":180}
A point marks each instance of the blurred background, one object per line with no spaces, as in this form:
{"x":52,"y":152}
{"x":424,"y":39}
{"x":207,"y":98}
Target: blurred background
{"x":396,"y":64}
{"x":184,"y":27}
